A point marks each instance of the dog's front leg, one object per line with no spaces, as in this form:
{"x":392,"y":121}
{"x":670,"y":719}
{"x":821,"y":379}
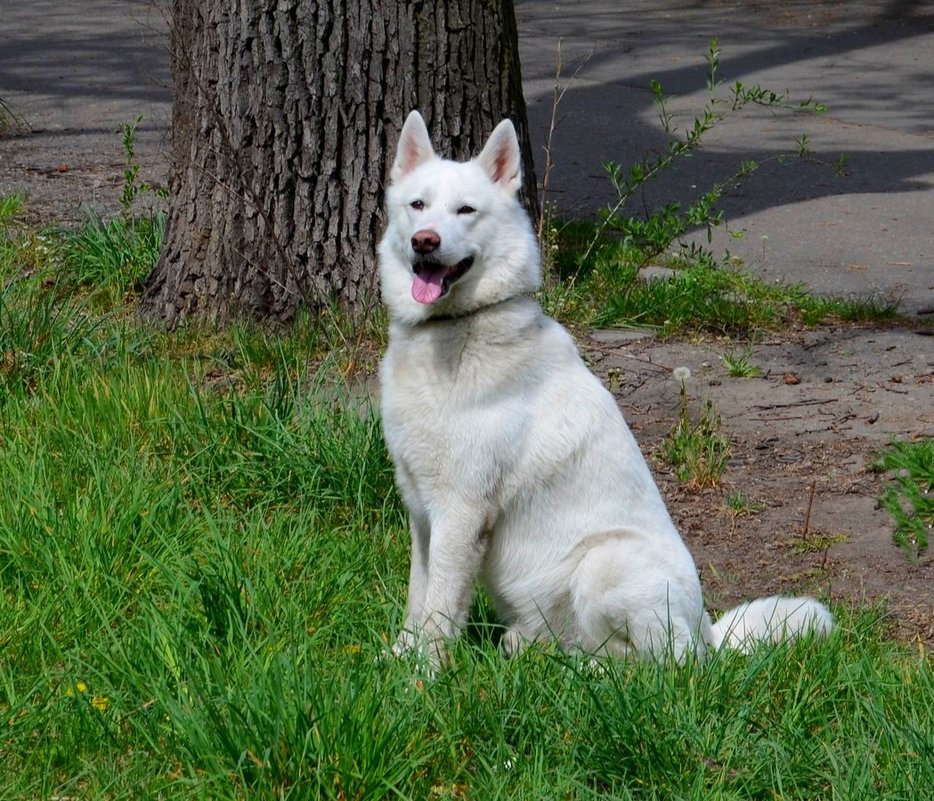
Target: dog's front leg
{"x":418,"y":583}
{"x":455,"y":553}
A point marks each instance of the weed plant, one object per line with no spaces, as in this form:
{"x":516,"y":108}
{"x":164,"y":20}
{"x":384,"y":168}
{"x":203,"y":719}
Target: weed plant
{"x":910,"y":496}
{"x":10,"y":119}
{"x":740,"y":506}
{"x":593,"y":268}
{"x":111,"y":258}
{"x":737,"y":364}
{"x":697,"y":450}
{"x":653,"y":234}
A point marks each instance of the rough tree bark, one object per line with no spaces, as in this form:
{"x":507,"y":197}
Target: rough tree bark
{"x":285,"y":116}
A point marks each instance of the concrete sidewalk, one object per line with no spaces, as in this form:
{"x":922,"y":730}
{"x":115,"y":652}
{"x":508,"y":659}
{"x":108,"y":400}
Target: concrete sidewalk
{"x":78,"y":71}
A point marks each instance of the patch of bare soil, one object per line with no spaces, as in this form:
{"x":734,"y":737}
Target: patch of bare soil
{"x":67,"y":175}
{"x":803,"y":436}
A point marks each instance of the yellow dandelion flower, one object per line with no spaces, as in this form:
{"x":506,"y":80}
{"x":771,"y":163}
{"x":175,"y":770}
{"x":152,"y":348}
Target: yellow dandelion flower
{"x":100,"y":703}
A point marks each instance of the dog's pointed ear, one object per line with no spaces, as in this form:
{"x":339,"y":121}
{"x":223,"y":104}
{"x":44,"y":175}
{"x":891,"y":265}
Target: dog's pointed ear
{"x":500,"y":157}
{"x":414,"y":147}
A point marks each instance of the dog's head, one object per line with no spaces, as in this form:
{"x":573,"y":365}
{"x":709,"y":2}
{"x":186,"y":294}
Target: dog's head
{"x":457,"y":237}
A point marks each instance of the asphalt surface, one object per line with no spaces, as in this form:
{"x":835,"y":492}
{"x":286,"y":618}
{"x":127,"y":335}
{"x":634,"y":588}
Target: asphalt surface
{"x":75,"y":72}
{"x":872,"y":64}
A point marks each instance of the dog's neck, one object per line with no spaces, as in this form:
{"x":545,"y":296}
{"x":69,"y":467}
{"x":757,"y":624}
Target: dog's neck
{"x":464,"y":315}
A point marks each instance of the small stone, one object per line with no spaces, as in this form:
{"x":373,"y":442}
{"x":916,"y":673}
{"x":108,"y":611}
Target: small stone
{"x":617,"y":336}
{"x":655,"y":272}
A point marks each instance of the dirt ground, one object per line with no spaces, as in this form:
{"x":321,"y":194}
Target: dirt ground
{"x":826,"y":401}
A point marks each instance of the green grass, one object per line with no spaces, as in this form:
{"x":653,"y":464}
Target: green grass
{"x":740,"y":505}
{"x":910,"y":496}
{"x":112,"y":257}
{"x":703,"y":295}
{"x":203,"y":558}
{"x":737,"y":364}
{"x":696,"y":449}
{"x":722,"y":300}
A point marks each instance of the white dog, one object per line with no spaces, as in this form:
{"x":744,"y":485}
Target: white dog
{"x":514,"y":462}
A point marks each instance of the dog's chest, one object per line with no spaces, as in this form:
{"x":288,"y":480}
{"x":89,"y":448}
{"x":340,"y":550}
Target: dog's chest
{"x":452,"y":409}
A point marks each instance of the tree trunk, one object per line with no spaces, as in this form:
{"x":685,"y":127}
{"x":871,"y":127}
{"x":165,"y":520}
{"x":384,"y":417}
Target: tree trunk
{"x":285,"y":119}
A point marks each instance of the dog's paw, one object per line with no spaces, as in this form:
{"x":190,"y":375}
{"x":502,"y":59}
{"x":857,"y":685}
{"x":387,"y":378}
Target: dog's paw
{"x":406,"y":643}
{"x":513,"y":643}
{"x":430,"y":653}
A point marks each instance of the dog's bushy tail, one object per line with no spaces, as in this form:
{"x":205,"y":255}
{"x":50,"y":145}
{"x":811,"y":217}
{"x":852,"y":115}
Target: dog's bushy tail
{"x":774,"y":619}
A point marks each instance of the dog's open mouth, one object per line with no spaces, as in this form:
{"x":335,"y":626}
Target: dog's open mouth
{"x":432,"y":280}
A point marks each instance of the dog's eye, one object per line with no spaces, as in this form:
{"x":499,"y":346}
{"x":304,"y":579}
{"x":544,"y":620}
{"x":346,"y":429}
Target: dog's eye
{"x":466,"y":210}
{"x":418,"y":205}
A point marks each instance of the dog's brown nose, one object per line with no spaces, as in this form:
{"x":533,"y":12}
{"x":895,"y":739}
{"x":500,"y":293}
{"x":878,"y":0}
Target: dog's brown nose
{"x":425,"y":241}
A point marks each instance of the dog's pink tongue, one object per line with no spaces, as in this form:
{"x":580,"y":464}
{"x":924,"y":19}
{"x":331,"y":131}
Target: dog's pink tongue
{"x":426,"y":287}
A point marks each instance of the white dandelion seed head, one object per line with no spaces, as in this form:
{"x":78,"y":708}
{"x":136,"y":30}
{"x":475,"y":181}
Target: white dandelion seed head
{"x":681,"y":374}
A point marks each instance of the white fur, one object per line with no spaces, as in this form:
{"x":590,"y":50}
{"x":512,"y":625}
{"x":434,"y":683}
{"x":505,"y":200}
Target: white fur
{"x":770,"y":620}
{"x":514,"y":462}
